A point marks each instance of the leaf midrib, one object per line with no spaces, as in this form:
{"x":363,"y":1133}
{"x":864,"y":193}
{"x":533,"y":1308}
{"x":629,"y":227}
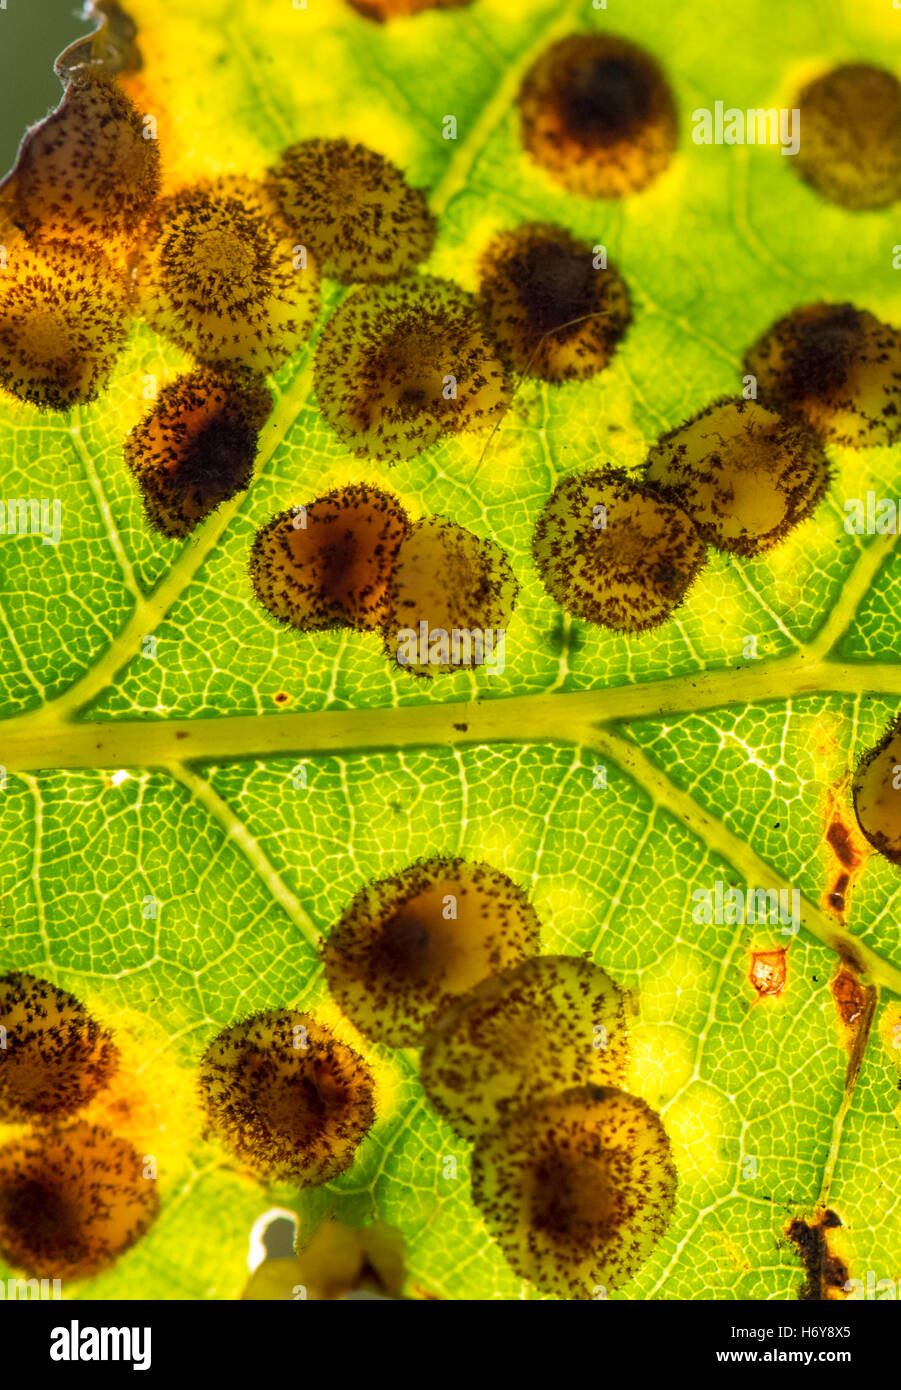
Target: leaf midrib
{"x":558,"y":718}
{"x":49,"y":739}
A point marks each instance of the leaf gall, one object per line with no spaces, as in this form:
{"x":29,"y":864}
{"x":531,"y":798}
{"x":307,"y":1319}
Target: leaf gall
{"x":196,"y":448}
{"x":577,"y":1189}
{"x":598,"y":114}
{"x":408,"y":945}
{"x":553,"y":314}
{"x":72,"y":1200}
{"x":384,"y":359}
{"x":614,"y":551}
{"x":836,"y":365}
{"x":55,"y":1057}
{"x":218,"y":277}
{"x":537,"y":1029}
{"x":287,"y":1097}
{"x":744,"y":474}
{"x":334,"y":570}
{"x":354,"y":208}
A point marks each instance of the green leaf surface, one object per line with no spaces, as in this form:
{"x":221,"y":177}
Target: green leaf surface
{"x":717,"y":766}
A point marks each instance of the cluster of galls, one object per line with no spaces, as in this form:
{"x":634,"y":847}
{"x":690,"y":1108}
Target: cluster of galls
{"x":524,"y":1055}
{"x":229,"y":268}
{"x":398,"y":366}
{"x":89,"y":243}
{"x":352,"y":559}
{"x":73,"y":212}
{"x":231,"y":273}
{"x":73,"y":1196}
{"x":597,"y":113}
{"x":738,"y":476}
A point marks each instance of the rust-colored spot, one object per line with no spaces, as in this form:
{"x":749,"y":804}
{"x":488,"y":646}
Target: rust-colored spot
{"x":768,"y":971}
{"x":846,"y":849}
{"x":826,"y":1272}
{"x":851,"y":997}
{"x":838,"y":891}
{"x":839,"y":837}
{"x":282,"y":697}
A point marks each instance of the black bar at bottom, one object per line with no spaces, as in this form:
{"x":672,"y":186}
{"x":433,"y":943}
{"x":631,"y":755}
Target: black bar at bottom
{"x":249,"y":1344}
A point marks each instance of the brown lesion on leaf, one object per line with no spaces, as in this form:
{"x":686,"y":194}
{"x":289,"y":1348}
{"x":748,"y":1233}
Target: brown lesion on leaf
{"x":875,"y":788}
{"x":846,"y":850}
{"x":769,"y":972}
{"x":855,"y":1005}
{"x":816,"y":1238}
{"x":826,"y":1272}
{"x":846,"y":952}
{"x":838,"y":836}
